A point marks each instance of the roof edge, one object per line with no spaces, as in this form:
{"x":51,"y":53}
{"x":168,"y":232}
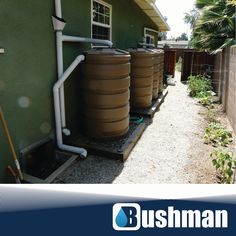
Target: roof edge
{"x":157,"y":18}
{"x":153,"y":4}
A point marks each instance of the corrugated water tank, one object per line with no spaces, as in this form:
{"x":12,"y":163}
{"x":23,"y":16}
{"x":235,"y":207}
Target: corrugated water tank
{"x":156,"y":74}
{"x":142,"y":67}
{"x":105,"y":93}
{"x":161,"y":69}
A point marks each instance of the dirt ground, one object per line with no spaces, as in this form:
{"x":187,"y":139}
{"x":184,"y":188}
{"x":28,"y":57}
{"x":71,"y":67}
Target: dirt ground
{"x":171,"y":150}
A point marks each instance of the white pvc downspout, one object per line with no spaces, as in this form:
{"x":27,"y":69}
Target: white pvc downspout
{"x":60,"y":38}
{"x":60,"y":68}
{"x":58,"y":89}
{"x":57,"y":107}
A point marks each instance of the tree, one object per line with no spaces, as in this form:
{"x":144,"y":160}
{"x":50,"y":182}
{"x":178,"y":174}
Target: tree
{"x":183,"y":37}
{"x":215,"y":28}
{"x":191,"y":17}
{"x":163,"y":35}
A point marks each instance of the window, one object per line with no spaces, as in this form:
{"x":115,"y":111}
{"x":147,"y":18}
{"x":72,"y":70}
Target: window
{"x":150,"y":36}
{"x":150,"y":39}
{"x":101,"y":20}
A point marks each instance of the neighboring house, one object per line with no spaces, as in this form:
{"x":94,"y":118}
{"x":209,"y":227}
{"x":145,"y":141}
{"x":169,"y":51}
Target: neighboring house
{"x":174,"y":44}
{"x":28,"y":65}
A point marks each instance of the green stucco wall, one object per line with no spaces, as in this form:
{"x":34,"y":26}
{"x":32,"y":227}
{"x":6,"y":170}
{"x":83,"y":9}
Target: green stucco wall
{"x":28,"y":67}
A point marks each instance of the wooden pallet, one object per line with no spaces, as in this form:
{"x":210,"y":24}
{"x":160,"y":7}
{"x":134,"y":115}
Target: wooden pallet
{"x":122,"y":152}
{"x":150,"y":112}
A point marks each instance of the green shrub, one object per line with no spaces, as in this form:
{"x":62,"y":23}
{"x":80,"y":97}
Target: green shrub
{"x":216,"y":134}
{"x":205,"y":94}
{"x":224,"y":163}
{"x":199,"y":86}
{"x":206,"y":101}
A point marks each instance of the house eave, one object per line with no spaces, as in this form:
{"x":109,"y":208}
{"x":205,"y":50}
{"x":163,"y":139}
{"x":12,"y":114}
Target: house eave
{"x":151,"y":10}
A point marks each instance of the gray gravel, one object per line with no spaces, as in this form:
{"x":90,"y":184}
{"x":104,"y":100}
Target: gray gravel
{"x":171,"y":150}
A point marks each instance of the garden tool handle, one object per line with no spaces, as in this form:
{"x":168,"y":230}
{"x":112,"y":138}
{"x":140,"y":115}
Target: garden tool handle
{"x":10,"y":143}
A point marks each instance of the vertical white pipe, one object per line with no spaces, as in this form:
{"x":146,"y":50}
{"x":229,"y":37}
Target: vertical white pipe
{"x":58,"y":8}
{"x":60,"y":68}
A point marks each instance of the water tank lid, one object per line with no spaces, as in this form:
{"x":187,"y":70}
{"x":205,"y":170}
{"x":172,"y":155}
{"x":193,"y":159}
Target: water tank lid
{"x":106,"y":51}
{"x":156,"y":51}
{"x":140,"y":50}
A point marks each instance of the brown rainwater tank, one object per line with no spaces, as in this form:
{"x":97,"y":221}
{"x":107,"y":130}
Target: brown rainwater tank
{"x":161,"y":69}
{"x":156,"y":73}
{"x":142,"y":67}
{"x":105,"y":93}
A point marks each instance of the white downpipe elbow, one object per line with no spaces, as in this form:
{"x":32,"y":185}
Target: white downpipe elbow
{"x":57,"y":106}
{"x":81,"y":151}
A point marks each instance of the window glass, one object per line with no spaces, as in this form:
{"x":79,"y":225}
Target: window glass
{"x":101,"y":20}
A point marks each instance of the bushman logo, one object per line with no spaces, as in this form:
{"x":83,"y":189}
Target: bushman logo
{"x":130,"y":217}
{"x":126,"y":217}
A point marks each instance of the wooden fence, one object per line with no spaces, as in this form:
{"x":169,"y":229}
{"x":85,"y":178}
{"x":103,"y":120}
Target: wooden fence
{"x":196,"y":63}
{"x":170,"y":61}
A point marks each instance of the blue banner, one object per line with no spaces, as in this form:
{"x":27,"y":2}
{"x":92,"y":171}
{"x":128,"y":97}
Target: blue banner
{"x":93,"y":214}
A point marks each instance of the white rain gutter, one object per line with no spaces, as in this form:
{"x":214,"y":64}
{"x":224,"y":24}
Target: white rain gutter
{"x":58,"y":89}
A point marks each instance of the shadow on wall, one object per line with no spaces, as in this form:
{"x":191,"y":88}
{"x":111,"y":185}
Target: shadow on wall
{"x":93,"y":170}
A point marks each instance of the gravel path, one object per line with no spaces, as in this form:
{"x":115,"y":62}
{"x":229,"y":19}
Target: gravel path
{"x":171,"y":150}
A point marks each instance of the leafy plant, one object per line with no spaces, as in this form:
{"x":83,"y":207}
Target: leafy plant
{"x":216,"y":134}
{"x":205,"y":94}
{"x":224,"y":163}
{"x":199,"y":86}
{"x":214,"y":29}
{"x":206,"y":101}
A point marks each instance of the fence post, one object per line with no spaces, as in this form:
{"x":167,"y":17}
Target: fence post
{"x":225,"y":82}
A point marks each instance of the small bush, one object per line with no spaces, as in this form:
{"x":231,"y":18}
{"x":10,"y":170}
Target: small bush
{"x":224,"y":163}
{"x":216,"y":134}
{"x":211,"y":114}
{"x":206,"y":101}
{"x":199,"y":86}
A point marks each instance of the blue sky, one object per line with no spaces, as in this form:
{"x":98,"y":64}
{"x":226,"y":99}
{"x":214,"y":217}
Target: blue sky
{"x":174,"y":11}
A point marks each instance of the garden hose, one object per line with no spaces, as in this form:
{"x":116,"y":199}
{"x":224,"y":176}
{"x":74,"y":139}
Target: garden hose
{"x":137,"y":120}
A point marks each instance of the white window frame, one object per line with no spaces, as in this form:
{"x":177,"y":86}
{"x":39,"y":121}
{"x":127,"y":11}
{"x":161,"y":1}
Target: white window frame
{"x":100,"y":24}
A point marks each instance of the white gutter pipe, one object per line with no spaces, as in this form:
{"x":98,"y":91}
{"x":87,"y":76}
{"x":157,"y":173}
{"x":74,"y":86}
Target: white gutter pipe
{"x":60,"y":38}
{"x":67,"y":38}
{"x":60,"y":64}
{"x":57,"y":107}
{"x":58,"y":8}
{"x":60,"y":70}
{"x":58,"y":89}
